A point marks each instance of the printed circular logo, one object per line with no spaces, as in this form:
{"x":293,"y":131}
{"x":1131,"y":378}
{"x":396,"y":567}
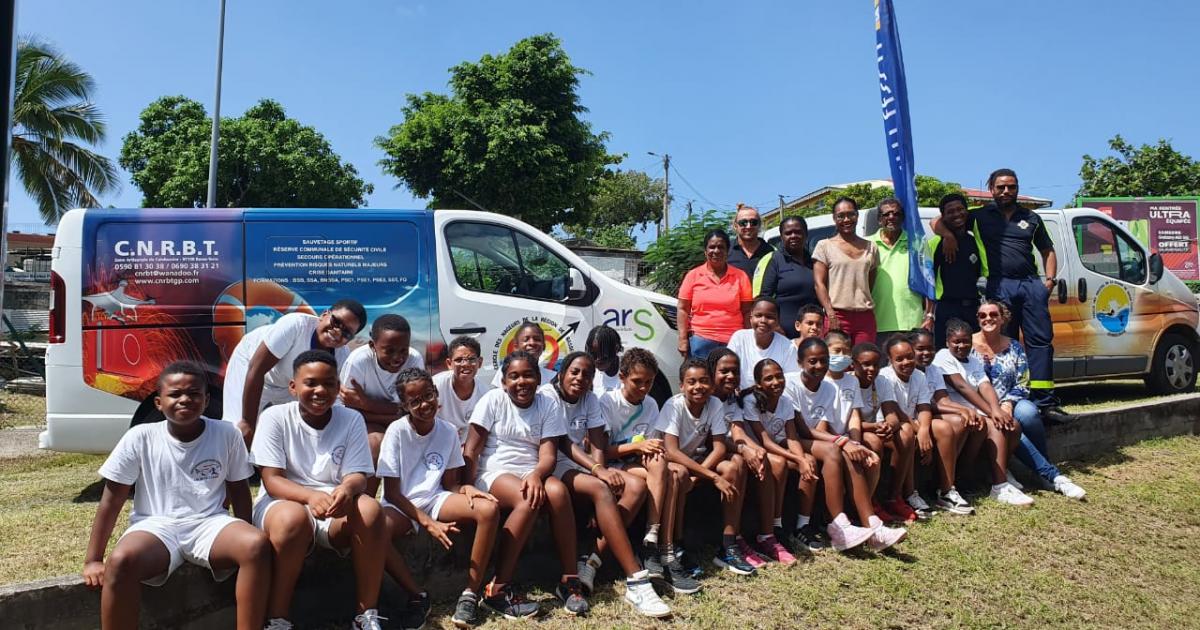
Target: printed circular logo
{"x":434,"y":461}
{"x":337,"y":455}
{"x":206,"y":470}
{"x":848,"y":395}
{"x":558,"y":341}
{"x":1112,"y":307}
{"x":817,"y":412}
{"x":776,"y":427}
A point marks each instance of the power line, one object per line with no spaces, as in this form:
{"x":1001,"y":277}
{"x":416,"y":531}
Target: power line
{"x":693,"y":188}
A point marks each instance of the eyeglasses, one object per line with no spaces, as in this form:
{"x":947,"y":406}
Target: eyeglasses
{"x":986,"y":316}
{"x":1005,"y":186}
{"x":845,"y":216}
{"x":464,"y":360}
{"x":749,"y":222}
{"x":893,"y":213}
{"x":339,"y":325}
{"x":429,"y":397}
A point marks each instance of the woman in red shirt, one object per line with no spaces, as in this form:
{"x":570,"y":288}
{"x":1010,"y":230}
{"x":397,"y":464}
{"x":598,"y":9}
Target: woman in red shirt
{"x":714,"y":300}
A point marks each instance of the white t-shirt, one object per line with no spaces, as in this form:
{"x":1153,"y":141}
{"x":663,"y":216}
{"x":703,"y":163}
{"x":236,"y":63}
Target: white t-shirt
{"x":178,"y":479}
{"x":814,"y":406}
{"x":453,"y":409}
{"x":869,"y":410}
{"x":934,"y":380}
{"x":605,"y":383}
{"x":515,"y":434}
{"x":625,"y":419}
{"x":906,"y":395}
{"x":782,"y":350}
{"x":419,"y":461}
{"x":362,"y":366}
{"x":775,"y":422}
{"x":286,"y":338}
{"x":849,"y":398}
{"x":676,"y":420}
{"x":547,"y":376}
{"x":313,"y":458}
{"x":972,"y":371}
{"x":579,"y":416}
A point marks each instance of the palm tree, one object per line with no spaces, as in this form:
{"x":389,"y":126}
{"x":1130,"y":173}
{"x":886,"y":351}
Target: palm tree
{"x":53,"y":117}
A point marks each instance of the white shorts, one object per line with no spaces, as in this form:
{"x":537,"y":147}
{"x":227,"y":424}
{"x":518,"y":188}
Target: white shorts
{"x":320,"y":526}
{"x":433,"y":507}
{"x":565,"y":466}
{"x":186,"y":539}
{"x":487,"y":477}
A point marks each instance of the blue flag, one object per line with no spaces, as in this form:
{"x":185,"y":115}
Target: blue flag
{"x":898,"y":136}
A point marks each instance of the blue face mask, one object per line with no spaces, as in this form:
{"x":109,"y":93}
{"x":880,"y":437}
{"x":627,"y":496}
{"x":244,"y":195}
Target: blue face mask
{"x":839,"y":362}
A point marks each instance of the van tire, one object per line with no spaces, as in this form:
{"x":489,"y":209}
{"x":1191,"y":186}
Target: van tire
{"x":1173,"y":370}
{"x":147,"y":412}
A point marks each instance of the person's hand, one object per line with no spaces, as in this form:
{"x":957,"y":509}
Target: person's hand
{"x":533,"y":491}
{"x":925,"y":444}
{"x":728,"y":492}
{"x":352,"y":395}
{"x":612,"y":478}
{"x":860,"y":455}
{"x":972,"y":419}
{"x":93,"y":574}
{"x":883,"y":430}
{"x":832,"y":320}
{"x":340,"y":500}
{"x":247,"y":432}
{"x":808,"y":468}
{"x":949,"y":247}
{"x":472,"y":493}
{"x":653,"y":446}
{"x":927,"y":323}
{"x":1049,"y":282}
{"x":441,"y":531}
{"x":319,"y":503}
{"x":754,"y":456}
{"x":1004,"y":418}
{"x":893,"y":425}
{"x":683,"y":346}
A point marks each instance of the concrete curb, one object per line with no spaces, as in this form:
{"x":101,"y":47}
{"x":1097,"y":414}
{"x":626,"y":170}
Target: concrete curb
{"x":191,"y":600}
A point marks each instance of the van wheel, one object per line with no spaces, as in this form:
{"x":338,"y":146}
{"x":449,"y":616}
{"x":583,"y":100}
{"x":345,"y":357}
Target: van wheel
{"x":147,"y":412}
{"x":1174,"y":367}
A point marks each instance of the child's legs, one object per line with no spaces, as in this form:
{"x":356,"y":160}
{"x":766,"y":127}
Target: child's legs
{"x":679,"y":485}
{"x":947,"y":438}
{"x":773,"y":485}
{"x":973,"y":443}
{"x":139,"y":555}
{"x":562,"y":522}
{"x":653,"y":471}
{"x":375,"y":433}
{"x":734,"y":471}
{"x":860,"y":490}
{"x":876,"y":444}
{"x":517,"y":527}
{"x":632,"y":497}
{"x":365,"y":530}
{"x":904,"y":447}
{"x":289,"y":526}
{"x":608,"y":517}
{"x":486,"y":516}
{"x":399,"y":527}
{"x":996,"y":450}
{"x":829,"y":459}
{"x":247,"y":548}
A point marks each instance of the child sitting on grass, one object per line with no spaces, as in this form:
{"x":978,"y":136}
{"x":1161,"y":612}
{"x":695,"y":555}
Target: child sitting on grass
{"x":904,"y":398}
{"x":184,"y":468}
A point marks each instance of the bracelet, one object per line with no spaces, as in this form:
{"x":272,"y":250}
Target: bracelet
{"x":594,"y":467}
{"x":841,"y":441}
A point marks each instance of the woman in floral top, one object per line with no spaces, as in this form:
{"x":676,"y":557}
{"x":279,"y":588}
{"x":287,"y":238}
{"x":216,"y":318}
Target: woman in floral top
{"x":1004,"y":360}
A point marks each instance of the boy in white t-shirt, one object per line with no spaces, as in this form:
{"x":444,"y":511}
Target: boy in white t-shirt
{"x":947,"y":431}
{"x":424,"y":487}
{"x":184,"y":468}
{"x":260,"y":368}
{"x":315,"y":462}
{"x":459,"y":386}
{"x":604,"y":344}
{"x":904,"y":399}
{"x":761,"y":341}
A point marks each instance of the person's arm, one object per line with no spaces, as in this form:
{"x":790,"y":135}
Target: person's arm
{"x":965,"y":390}
{"x":439,"y":531}
{"x":261,"y":363}
{"x":924,"y":433}
{"x":593,"y":460}
{"x":747,"y":447}
{"x":533,"y":487}
{"x":1050,"y":265}
{"x":695,"y":468}
{"x":855,"y":451}
{"x":769,"y":444}
{"x":854,"y":425}
{"x":454,"y":480}
{"x":280,"y":487}
{"x":805,"y":464}
{"x":373,"y":410}
{"x":927,"y":320}
{"x":683,"y":313}
{"x":746,"y":306}
{"x":949,"y":241}
{"x":766,"y":280}
{"x":821,"y":275}
{"x":1003,"y":417}
{"x":873,"y":272}
{"x":745,"y":295}
{"x":238,"y":493}
{"x":111,"y":500}
{"x":476,"y":438}
{"x":717,"y":451}
{"x":1020,"y":388}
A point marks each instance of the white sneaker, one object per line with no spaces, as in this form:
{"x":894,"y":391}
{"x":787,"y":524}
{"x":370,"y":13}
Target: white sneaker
{"x":278,"y":623}
{"x":1008,"y":476}
{"x":883,"y":537}
{"x":586,"y":570}
{"x":1008,"y":493}
{"x":952,"y":502}
{"x":639,"y":592}
{"x":917,"y":502}
{"x":844,"y":536}
{"x":368,"y":620}
{"x":1066,"y":487}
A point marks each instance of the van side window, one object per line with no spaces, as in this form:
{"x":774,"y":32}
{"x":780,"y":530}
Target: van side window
{"x":492,"y":258}
{"x":819,"y":234}
{"x":1106,"y":251}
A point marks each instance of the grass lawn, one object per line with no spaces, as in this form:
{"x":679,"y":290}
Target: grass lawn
{"x":1097,"y":395}
{"x":1126,"y":557}
{"x":18,"y":410}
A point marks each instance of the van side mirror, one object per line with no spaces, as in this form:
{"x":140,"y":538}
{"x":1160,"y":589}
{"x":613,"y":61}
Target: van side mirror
{"x":578,"y":286}
{"x":1156,"y":267}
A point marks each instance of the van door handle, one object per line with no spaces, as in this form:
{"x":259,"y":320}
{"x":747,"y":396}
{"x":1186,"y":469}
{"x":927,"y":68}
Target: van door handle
{"x":1062,"y":291}
{"x":474,"y":330}
{"x":1083,"y":289}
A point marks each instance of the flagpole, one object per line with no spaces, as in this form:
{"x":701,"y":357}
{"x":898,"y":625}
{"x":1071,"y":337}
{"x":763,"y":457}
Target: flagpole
{"x":216,"y":119}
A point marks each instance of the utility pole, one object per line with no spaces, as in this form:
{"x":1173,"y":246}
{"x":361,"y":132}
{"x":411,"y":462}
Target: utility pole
{"x":8,"y":48}
{"x":666,"y":216}
{"x":689,"y":207}
{"x":216,"y":121}
{"x":780,"y":207}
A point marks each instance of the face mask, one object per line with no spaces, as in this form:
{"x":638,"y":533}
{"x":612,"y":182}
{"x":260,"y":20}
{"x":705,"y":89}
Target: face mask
{"x":839,"y":362}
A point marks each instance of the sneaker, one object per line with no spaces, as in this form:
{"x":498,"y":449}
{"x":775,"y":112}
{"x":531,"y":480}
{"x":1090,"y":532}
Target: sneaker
{"x":900,"y":509}
{"x":774,"y":550}
{"x":1054,"y":415}
{"x":639,"y":592}
{"x":884,"y":513}
{"x":810,"y":537}
{"x":510,"y":604}
{"x":952,"y":502}
{"x":278,"y":623}
{"x":466,"y":611}
{"x":923,"y":510}
{"x":587,"y":568}
{"x":417,"y":613}
{"x":368,"y":620}
{"x":680,"y":578}
{"x":731,"y":558}
{"x":752,"y":557}
{"x":1008,"y":494}
{"x":1008,"y":476}
{"x":884,"y":537}
{"x":846,"y":536}
{"x":652,"y":562}
{"x":1063,"y":485}
{"x":571,"y":594}
{"x":691,"y":566}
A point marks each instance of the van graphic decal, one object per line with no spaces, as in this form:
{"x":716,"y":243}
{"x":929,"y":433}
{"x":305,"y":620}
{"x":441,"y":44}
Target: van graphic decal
{"x":559,"y":342}
{"x":1112,"y":307}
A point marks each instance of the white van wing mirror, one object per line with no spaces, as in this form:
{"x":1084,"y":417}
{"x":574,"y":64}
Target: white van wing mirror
{"x":578,"y":286}
{"x":1156,"y":267}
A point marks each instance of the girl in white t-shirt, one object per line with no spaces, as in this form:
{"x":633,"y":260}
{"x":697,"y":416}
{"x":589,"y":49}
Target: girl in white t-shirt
{"x":846,"y":416}
{"x":425,"y":487}
{"x":604,"y":344}
{"x":905,"y":405}
{"x":616,"y":495}
{"x":532,"y":339}
{"x":459,"y":386}
{"x":184,"y":468}
{"x":947,"y":431}
{"x":512,"y":443}
{"x":761,"y":341}
{"x":968,"y":384}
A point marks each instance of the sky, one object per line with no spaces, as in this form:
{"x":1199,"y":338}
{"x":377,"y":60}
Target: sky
{"x":752,"y":100}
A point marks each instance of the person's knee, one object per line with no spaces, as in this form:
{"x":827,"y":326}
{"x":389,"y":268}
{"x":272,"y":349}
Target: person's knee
{"x":634,"y":486}
{"x":289,"y":525}
{"x":122,"y":565}
{"x":557,"y":495}
{"x":487,"y":513}
{"x":370,"y":512}
{"x":255,"y":550}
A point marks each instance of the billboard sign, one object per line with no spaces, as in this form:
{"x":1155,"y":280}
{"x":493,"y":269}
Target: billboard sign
{"x":1166,"y":225}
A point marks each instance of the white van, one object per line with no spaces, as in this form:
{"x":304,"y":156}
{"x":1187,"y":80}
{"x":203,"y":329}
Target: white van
{"x":134,"y":290}
{"x":1117,"y":312}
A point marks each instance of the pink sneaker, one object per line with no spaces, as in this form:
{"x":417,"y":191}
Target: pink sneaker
{"x":774,"y":550}
{"x":884,"y":537}
{"x":845,"y":536}
{"x":752,"y":557}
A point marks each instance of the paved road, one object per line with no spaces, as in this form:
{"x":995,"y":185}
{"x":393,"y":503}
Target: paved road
{"x":20,"y":442}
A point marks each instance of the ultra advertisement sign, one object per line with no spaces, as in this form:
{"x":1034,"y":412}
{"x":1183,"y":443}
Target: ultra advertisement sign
{"x":1166,"y":225}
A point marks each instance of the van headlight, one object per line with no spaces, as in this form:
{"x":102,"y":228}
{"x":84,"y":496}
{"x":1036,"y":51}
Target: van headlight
{"x":668,"y":313}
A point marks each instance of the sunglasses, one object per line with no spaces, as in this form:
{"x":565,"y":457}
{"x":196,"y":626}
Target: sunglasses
{"x":892,"y":213}
{"x":340,"y":326}
{"x":986,"y":316}
{"x":749,"y":222}
{"x":1005,"y":186}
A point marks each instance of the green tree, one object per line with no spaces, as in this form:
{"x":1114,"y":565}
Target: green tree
{"x":53,"y":119}
{"x":265,"y":159}
{"x":680,"y":249}
{"x":508,"y":137}
{"x":1145,"y":171}
{"x":930,"y":191}
{"x":622,"y":201}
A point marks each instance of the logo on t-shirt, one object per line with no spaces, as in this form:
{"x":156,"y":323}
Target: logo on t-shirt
{"x":776,"y":426}
{"x":579,"y":423}
{"x":206,"y":470}
{"x":337,"y":455}
{"x":816,"y":411}
{"x":848,"y":395}
{"x":434,"y":461}
{"x":1023,"y":224}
